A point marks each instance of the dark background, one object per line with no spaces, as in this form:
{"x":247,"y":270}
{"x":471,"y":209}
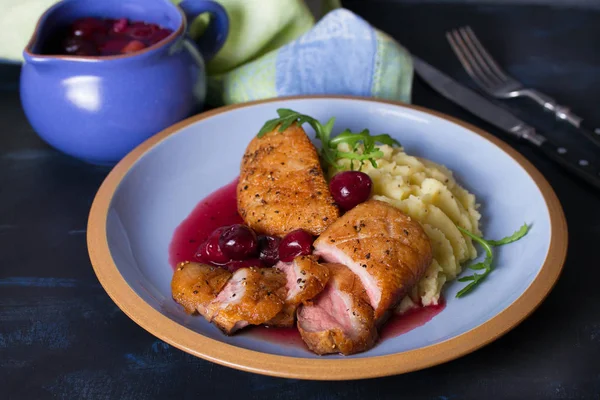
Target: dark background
{"x":61,"y":336}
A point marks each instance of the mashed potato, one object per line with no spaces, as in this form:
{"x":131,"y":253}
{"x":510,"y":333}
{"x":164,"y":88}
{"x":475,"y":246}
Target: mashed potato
{"x":427,"y":192}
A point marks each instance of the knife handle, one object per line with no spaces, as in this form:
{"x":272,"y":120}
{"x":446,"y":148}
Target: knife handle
{"x":564,"y":113}
{"x":560,"y":111}
{"x":590,"y":131}
{"x":581,"y":167}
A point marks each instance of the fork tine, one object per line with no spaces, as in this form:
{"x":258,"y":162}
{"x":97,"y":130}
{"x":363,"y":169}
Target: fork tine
{"x":467,"y":60}
{"x":481,"y":62}
{"x":459,"y":54}
{"x":490,"y":60}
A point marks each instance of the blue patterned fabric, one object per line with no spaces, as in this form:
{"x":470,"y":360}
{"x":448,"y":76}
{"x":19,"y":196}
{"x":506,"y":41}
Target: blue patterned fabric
{"x":336,"y":57}
{"x":341,"y":55}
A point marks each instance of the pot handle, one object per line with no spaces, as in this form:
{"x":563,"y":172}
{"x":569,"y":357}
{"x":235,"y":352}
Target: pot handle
{"x":215,"y":35}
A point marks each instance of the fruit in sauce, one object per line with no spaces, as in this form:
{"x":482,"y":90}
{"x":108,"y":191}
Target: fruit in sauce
{"x":159,"y":35}
{"x":141,"y":31}
{"x":133,"y":46}
{"x":238,"y":242}
{"x":78,"y":46}
{"x":120,"y":25}
{"x":86,"y":27}
{"x":210,"y":251}
{"x":113,"y":46}
{"x":350,"y":188}
{"x":268,"y":249}
{"x":92,"y":36}
{"x":295,"y":243}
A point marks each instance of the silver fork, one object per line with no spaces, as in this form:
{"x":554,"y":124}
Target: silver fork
{"x":492,"y":79}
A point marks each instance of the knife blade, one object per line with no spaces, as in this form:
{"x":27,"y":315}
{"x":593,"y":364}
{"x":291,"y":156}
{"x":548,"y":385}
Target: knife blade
{"x":506,"y":121}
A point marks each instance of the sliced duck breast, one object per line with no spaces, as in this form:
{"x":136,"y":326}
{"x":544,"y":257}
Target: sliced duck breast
{"x":385,"y":248}
{"x":340,"y":319}
{"x":195,"y":285}
{"x":252,"y":296}
{"x":306,"y":278}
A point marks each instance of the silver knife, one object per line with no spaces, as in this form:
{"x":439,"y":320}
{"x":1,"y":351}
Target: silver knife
{"x":504,"y":120}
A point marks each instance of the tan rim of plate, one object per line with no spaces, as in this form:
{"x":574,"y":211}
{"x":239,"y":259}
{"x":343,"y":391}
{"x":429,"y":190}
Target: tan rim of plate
{"x":321,"y":368}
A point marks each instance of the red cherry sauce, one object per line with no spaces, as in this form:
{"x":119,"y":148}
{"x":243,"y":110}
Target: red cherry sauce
{"x":220,"y":209}
{"x":399,"y":324}
{"x":92,"y":36}
{"x":395,"y":326}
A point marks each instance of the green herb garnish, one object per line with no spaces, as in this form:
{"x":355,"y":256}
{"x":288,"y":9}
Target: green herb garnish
{"x":369,"y":152}
{"x":329,"y":152}
{"x":486,"y":265}
{"x":512,"y":238}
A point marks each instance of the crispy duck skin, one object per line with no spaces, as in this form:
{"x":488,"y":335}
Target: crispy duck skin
{"x":195,"y":285}
{"x":282,"y":186}
{"x":249,"y":296}
{"x":252,"y":296}
{"x":388,"y":251}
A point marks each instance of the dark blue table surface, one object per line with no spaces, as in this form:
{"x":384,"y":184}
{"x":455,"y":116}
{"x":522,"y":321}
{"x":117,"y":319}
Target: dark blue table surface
{"x":62,"y":337}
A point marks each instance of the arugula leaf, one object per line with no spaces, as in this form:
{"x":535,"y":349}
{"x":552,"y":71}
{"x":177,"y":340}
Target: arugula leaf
{"x":484,"y":243}
{"x":486,"y":265}
{"x":512,"y":238}
{"x":386,"y":139}
{"x":347,"y":137}
{"x":369,"y":152}
{"x":268,"y":126}
{"x":286,"y":119}
{"x":471,"y":285}
{"x":329,"y":153}
{"x":478,"y":266}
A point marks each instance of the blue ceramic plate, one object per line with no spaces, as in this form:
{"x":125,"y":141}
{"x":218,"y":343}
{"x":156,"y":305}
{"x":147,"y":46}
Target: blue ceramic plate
{"x":152,"y":190}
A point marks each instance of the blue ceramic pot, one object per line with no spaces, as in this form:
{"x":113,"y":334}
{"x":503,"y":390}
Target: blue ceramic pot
{"x":100,"y":108}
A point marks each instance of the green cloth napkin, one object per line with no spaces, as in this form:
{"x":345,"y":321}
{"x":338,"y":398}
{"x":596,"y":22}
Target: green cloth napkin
{"x":259,"y":26}
{"x":341,"y":54}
